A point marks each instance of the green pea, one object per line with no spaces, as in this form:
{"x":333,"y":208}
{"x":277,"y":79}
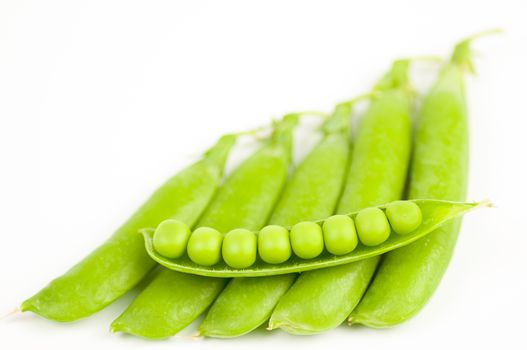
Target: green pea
{"x":340,"y":236}
{"x":307,"y":240}
{"x":372,"y":226}
{"x":204,"y":246}
{"x":273,"y":244}
{"x":239,"y":248}
{"x":171,"y":237}
{"x":404,"y":216}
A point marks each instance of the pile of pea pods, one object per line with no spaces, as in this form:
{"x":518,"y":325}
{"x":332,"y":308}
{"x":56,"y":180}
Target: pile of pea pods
{"x":296,"y":248}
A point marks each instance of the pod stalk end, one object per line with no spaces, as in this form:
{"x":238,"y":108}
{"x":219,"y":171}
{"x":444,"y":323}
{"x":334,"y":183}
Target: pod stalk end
{"x":462,"y":54}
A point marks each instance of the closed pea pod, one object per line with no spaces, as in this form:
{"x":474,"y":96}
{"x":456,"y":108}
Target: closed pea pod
{"x":173,"y":300}
{"x":408,"y":277}
{"x":311,"y":194}
{"x":322,"y":299}
{"x":121,"y":262}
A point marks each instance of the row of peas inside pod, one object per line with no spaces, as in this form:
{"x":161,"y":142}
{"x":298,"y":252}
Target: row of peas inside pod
{"x":239,"y":248}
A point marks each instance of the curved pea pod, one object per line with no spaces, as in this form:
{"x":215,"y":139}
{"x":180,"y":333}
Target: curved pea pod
{"x":173,"y":300}
{"x":408,"y":277}
{"x":311,"y":193}
{"x":377,"y":175}
{"x":435,"y":214}
{"x":121,"y":262}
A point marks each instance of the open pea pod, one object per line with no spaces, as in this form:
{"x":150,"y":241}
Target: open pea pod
{"x":434,"y":213}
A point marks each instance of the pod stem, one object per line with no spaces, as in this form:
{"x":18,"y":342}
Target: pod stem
{"x":340,"y":118}
{"x":462,"y":54}
{"x":290,"y":120}
{"x":217,"y":154}
{"x":356,"y":99}
{"x":251,"y":132}
{"x":396,"y":77}
{"x":311,"y":114}
{"x":424,"y":58}
{"x":282,"y":127}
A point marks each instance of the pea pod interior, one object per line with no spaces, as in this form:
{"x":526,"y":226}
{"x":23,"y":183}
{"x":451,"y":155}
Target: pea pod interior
{"x":434,"y":212}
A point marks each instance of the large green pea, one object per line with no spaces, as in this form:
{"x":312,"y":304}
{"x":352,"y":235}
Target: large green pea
{"x":239,"y":248}
{"x":171,"y":237}
{"x":372,"y":226}
{"x":404,"y":216}
{"x":273,"y":244}
{"x":307,"y":240}
{"x":204,"y":246}
{"x":340,"y":236}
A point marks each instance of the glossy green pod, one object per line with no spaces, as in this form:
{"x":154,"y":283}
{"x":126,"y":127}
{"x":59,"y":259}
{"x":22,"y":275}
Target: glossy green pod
{"x":323,"y":299}
{"x":435,"y":213}
{"x":311,"y":194}
{"x":244,"y":201}
{"x":408,"y":277}
{"x":121,"y":262}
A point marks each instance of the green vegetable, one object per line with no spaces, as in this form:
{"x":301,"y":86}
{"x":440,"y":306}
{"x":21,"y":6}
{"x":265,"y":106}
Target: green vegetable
{"x":340,"y":236}
{"x":173,"y":300}
{"x":372,"y":226}
{"x":239,"y":248}
{"x":404,"y":216}
{"x":307,"y":240}
{"x":408,"y":277}
{"x":204,"y":246}
{"x":273,"y":244}
{"x":435,"y":214}
{"x":323,"y":299}
{"x":171,"y":237}
{"x":121,"y":262}
{"x":311,"y":194}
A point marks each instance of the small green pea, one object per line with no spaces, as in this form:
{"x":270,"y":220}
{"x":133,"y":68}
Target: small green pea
{"x":372,"y":226}
{"x":171,"y":237}
{"x":273,"y":244}
{"x":307,"y":240}
{"x":404,"y":216}
{"x":239,"y":248}
{"x":340,"y":236}
{"x":204,"y":246}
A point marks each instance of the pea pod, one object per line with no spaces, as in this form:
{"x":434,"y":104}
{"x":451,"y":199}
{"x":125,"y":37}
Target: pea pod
{"x":121,"y":262}
{"x":173,"y":300}
{"x":436,"y":213}
{"x":408,"y":277}
{"x":322,"y":299}
{"x":311,"y":193}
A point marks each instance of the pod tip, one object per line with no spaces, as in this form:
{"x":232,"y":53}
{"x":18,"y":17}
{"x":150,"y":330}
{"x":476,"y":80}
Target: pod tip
{"x":462,"y":54}
{"x":197,"y":336}
{"x":15,"y":311}
{"x":486,"y":203}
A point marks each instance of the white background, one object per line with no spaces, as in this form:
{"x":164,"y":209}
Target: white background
{"x":100,"y":101}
